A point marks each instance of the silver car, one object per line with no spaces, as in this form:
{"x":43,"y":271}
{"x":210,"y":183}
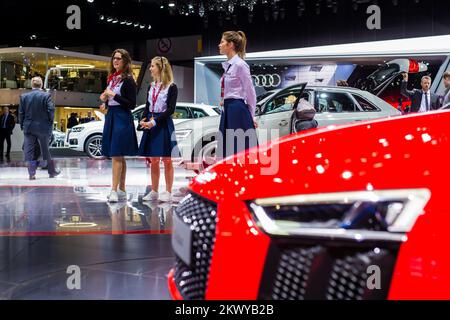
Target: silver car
{"x":334,"y":105}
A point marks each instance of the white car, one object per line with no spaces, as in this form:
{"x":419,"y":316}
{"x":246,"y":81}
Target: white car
{"x":87,"y":137}
{"x":275,"y":117}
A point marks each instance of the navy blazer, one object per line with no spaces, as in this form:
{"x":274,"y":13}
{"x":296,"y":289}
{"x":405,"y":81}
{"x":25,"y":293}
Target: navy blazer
{"x":36,"y":112}
{"x":416,"y":98}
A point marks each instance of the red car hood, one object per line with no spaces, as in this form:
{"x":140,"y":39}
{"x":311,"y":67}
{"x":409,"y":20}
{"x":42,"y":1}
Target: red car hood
{"x":401,"y":152}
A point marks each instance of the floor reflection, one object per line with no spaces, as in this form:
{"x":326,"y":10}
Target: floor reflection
{"x":81,"y":210}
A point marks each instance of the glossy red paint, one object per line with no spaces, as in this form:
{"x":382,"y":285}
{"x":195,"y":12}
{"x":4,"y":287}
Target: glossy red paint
{"x":413,"y":66}
{"x":401,"y":152}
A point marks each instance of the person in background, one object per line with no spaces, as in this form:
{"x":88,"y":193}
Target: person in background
{"x":238,"y":98}
{"x":119,"y":134}
{"x":73,"y":121}
{"x":158,"y":140}
{"x":446,"y":96}
{"x":304,"y":114}
{"x":7,"y":124}
{"x":36,"y":115}
{"x":421,"y":100}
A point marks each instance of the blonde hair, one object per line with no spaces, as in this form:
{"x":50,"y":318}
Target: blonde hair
{"x":239,"y":39}
{"x":166,"y":73}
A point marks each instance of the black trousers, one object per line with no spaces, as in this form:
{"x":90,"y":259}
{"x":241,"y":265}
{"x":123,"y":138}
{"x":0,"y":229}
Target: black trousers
{"x":5,"y":135}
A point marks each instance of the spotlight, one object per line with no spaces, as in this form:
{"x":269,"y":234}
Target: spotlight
{"x":129,"y":23}
{"x":57,"y":47}
{"x":115,"y":21}
{"x":102,"y":17}
{"x":90,"y":1}
{"x":171,"y":4}
{"x":136,"y":25}
{"x":109,"y":19}
{"x":149,"y":27}
{"x":142,"y":26}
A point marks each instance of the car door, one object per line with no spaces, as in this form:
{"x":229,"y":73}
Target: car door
{"x":274,"y":119}
{"x":336,"y":107}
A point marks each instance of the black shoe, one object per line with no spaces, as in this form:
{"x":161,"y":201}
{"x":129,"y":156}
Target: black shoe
{"x":32,"y":177}
{"x":54,"y":175}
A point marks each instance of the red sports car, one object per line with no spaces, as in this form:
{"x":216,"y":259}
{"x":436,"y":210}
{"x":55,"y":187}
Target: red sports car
{"x":354,"y":212}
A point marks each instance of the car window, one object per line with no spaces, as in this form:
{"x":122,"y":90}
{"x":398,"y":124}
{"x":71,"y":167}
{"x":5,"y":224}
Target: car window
{"x":198,"y":113}
{"x":282,"y":102}
{"x":335,"y":102}
{"x":181,"y":113}
{"x":365,"y":104}
{"x":137,"y":115}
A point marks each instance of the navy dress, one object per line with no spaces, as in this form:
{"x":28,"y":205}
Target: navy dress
{"x":160,"y":141}
{"x":236,"y":115}
{"x":119,"y":133}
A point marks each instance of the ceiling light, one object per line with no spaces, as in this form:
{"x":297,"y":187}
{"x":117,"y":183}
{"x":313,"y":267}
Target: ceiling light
{"x":171,"y":4}
{"x":115,"y":21}
{"x":102,"y":17}
{"x":75,"y":66}
{"x":109,"y":19}
{"x":90,"y":1}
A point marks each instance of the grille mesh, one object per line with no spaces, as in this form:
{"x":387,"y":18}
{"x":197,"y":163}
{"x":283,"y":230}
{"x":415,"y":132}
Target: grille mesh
{"x":201,"y":216}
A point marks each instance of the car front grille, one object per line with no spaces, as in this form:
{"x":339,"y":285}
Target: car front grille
{"x":327,"y":272}
{"x":201,"y":216}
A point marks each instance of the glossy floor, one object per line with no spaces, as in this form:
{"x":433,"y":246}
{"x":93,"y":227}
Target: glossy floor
{"x":123,"y":250}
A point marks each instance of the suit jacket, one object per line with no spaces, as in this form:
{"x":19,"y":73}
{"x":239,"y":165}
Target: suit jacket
{"x":416,"y":98}
{"x":36,"y":112}
{"x":446,"y":98}
{"x":10,"y":123}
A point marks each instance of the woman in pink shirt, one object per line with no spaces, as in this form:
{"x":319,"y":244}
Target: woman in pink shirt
{"x":237,"y":125}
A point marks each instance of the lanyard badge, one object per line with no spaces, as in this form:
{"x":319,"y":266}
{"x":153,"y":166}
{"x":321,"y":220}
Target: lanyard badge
{"x":155,"y":96}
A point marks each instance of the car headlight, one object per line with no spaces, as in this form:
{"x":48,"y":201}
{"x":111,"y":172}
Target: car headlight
{"x":77,"y":129}
{"x":182,"y":134}
{"x":367,"y":215}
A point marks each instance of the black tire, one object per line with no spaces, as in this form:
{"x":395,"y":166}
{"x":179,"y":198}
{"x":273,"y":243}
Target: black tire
{"x":93,"y":147}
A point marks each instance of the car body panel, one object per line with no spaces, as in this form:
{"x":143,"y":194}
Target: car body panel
{"x":397,"y":153}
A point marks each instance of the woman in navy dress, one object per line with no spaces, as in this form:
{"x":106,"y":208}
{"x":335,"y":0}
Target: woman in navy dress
{"x":119,"y":134}
{"x":158,"y":139}
{"x":237,"y":124}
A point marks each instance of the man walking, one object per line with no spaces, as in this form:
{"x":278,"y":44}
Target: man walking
{"x":7,"y":124}
{"x":36,"y":115}
{"x":421,"y":100}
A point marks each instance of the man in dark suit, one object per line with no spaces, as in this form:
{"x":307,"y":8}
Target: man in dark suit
{"x":7,"y":124}
{"x":421,"y":100}
{"x":36,"y":115}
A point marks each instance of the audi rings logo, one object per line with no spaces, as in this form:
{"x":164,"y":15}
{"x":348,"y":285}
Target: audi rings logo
{"x":267,"y":80}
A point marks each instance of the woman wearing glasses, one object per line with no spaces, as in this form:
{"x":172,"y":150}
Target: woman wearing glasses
{"x":119,"y":135}
{"x":158,"y":139}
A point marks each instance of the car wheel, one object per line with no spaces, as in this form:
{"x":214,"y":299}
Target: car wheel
{"x":207,"y":155}
{"x":94,"y":147}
